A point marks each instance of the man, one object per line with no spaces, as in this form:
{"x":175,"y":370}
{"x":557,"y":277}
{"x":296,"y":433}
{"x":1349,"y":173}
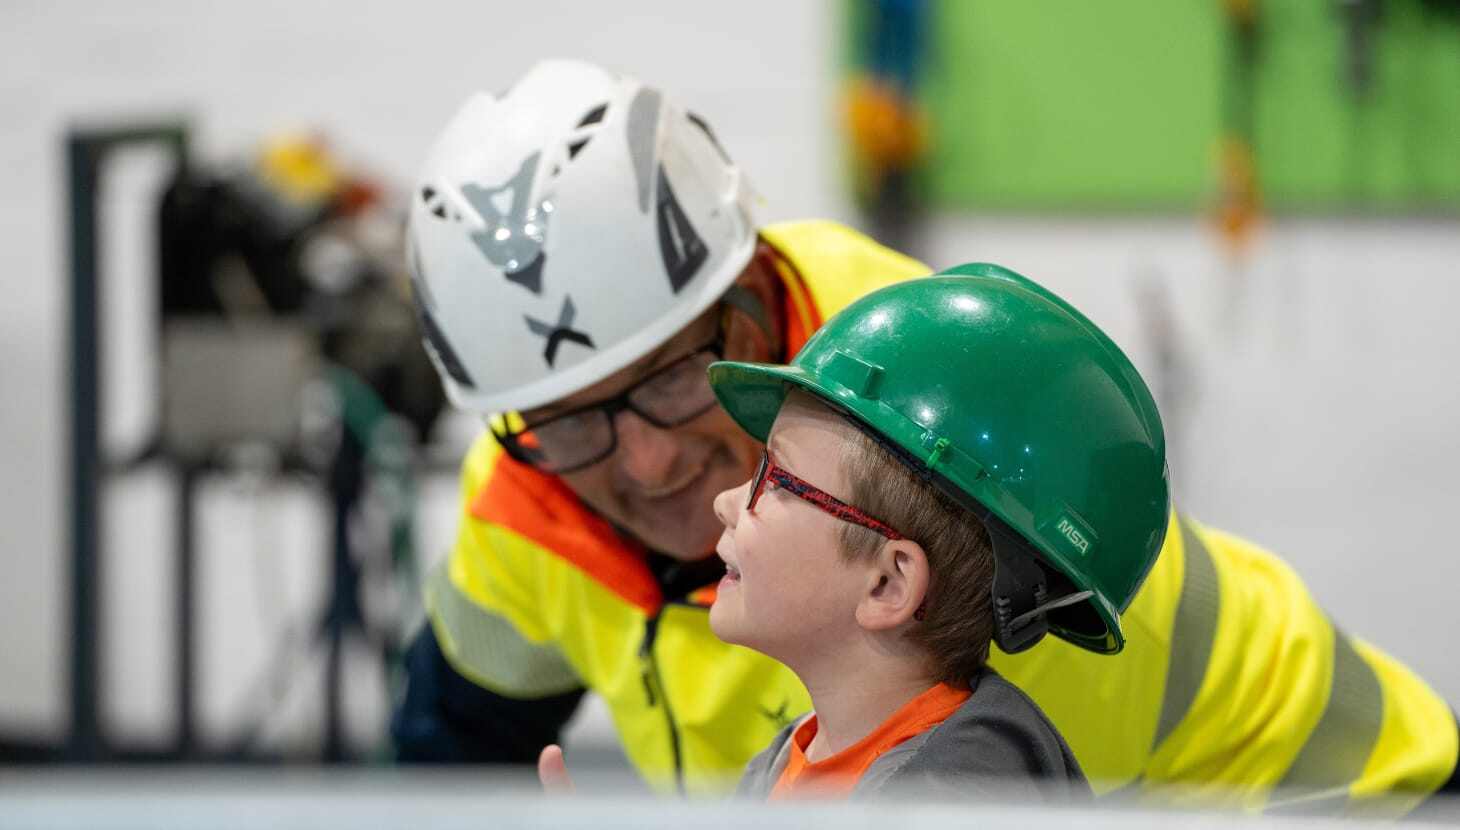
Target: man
{"x":582,"y":252}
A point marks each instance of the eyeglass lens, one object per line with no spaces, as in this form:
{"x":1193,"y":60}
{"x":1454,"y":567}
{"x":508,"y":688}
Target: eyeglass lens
{"x":670,"y":397}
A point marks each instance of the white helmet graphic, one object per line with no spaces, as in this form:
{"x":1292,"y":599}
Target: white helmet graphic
{"x":565,"y":229}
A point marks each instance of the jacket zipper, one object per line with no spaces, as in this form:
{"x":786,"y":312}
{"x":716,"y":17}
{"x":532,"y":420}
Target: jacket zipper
{"x":654,"y":691}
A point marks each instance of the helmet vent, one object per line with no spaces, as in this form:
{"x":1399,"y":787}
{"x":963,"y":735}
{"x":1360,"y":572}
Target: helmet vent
{"x":704,"y":126}
{"x":436,"y":204}
{"x":588,"y":125}
{"x":594,"y":115}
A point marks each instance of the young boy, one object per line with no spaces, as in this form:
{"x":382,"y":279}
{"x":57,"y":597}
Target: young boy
{"x":949,"y":461}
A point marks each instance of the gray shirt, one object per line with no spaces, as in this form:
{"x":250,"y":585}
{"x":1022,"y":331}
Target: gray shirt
{"x":997,"y":746}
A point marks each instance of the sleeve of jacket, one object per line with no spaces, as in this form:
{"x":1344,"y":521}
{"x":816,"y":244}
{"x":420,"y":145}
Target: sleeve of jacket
{"x":1236,"y":689}
{"x":484,"y":684}
{"x":1268,"y":701}
{"x":446,"y":718}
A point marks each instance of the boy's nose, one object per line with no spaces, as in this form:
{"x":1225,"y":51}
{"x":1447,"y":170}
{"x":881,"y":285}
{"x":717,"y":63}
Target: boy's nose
{"x":729,"y":503}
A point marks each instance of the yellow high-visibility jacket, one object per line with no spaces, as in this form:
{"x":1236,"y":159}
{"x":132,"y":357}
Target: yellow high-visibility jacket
{"x":1233,"y":685}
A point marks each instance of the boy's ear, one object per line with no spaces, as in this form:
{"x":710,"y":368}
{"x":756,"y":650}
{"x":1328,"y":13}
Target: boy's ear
{"x":897,"y":584}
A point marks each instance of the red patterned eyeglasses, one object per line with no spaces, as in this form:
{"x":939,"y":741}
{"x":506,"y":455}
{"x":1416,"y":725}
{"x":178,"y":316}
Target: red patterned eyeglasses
{"x":822,"y":500}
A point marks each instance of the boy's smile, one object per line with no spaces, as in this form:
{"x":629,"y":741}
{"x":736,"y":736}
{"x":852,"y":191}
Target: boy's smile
{"x":732,"y":572}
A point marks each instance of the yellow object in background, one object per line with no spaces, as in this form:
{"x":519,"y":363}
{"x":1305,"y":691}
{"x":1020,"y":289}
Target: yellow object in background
{"x":1239,"y":204}
{"x":301,"y":168}
{"x":888,"y":131}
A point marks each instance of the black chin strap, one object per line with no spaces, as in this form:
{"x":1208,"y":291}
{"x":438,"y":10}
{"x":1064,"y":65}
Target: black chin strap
{"x":750,"y":305}
{"x":1057,"y":602}
{"x":744,"y":301}
{"x":1021,"y":591}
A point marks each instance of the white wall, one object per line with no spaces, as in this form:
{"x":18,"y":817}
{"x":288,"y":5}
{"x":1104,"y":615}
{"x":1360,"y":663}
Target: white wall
{"x":1317,"y":412}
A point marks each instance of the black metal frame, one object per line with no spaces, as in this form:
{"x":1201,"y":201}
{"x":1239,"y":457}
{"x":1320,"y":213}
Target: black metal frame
{"x":87,"y":152}
{"x":87,"y":742}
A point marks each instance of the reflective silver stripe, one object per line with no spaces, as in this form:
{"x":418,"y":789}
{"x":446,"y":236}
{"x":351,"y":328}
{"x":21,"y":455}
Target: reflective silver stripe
{"x":487,"y":649}
{"x":1192,"y":634}
{"x":1342,"y":741}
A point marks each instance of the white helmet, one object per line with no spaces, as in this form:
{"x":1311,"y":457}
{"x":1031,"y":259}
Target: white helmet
{"x":565,"y":229}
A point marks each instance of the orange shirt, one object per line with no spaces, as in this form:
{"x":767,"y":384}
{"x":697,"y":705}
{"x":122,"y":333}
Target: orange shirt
{"x":837,"y":775}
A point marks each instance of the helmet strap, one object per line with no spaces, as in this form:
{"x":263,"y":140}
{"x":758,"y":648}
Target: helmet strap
{"x":745,"y":301}
{"x":1056,"y":603}
{"x":1020,"y":590}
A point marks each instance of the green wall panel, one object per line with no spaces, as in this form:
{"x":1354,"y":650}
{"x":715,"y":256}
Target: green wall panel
{"x":1068,"y":105}
{"x":1060,"y":103}
{"x":1322,"y":144}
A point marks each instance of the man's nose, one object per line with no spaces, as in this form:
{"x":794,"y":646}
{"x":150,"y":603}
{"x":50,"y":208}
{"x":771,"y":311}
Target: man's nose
{"x":646,"y":453}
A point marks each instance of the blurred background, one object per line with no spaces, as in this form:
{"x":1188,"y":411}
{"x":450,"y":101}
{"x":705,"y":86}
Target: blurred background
{"x":220,"y":495}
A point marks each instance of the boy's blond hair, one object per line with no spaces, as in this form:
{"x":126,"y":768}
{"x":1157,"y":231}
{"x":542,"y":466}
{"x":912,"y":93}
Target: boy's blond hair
{"x":957,"y":624}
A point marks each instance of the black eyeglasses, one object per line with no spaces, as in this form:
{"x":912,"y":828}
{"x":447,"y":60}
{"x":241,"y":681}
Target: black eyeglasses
{"x":673,"y":395}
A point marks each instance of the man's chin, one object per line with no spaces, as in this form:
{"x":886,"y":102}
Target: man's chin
{"x":681,"y":549}
{"x":677,"y":533}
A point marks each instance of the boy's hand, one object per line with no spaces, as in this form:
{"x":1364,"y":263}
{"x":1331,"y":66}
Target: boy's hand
{"x":553,"y":772}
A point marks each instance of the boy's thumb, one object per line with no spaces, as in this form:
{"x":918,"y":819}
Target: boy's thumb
{"x":552,"y":771}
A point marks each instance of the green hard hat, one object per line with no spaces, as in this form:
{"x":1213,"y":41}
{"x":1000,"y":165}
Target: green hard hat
{"x":1016,"y":406}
